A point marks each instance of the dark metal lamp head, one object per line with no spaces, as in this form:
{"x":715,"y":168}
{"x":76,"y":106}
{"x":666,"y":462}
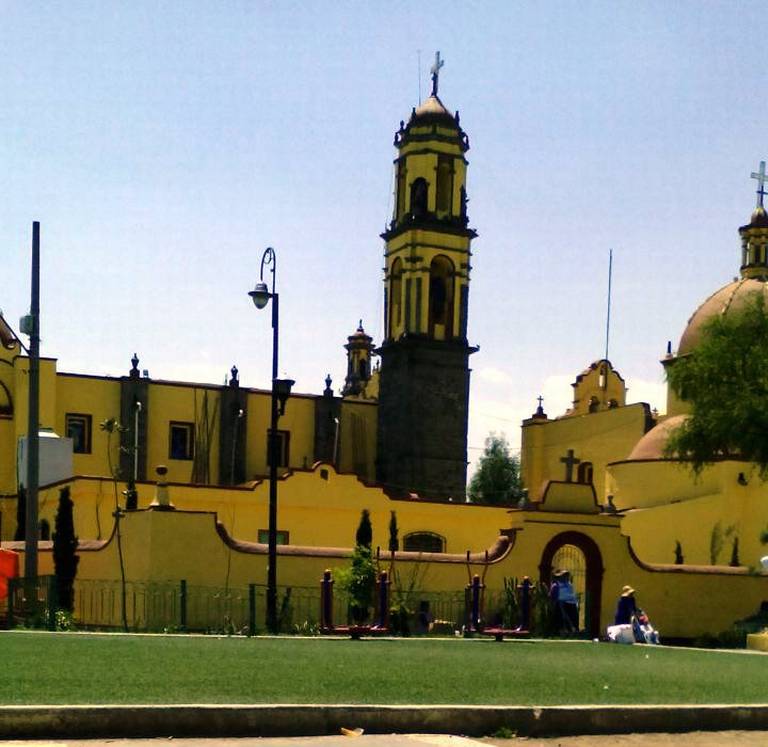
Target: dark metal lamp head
{"x":260,"y":295}
{"x":283,"y":391}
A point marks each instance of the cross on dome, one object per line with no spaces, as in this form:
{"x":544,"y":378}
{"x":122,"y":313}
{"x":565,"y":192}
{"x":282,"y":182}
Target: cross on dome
{"x":761,"y":177}
{"x":435,"y":70}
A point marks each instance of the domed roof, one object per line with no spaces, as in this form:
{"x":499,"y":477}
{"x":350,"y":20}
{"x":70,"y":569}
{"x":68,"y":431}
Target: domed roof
{"x":432,"y":106}
{"x":733,"y":296}
{"x":651,"y":445}
{"x":360,"y":333}
{"x":759,"y":218}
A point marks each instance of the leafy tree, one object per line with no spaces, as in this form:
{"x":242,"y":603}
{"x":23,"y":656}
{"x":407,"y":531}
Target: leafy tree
{"x":362,"y":583}
{"x":65,"y":558}
{"x":725,"y":381}
{"x":497,"y":478}
{"x":361,"y":579}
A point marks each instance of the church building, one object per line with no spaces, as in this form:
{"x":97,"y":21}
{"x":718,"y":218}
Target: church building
{"x":603,"y":500}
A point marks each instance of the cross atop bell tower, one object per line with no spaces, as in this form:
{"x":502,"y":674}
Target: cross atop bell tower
{"x":761,"y":177}
{"x":435,"y":70}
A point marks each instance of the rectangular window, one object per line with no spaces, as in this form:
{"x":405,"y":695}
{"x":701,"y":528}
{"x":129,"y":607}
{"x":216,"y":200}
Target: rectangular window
{"x":78,"y":427}
{"x":279,"y":445}
{"x":181,"y":439}
{"x":282,"y":536}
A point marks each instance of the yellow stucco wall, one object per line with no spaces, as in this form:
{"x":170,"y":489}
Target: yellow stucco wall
{"x":684,"y":602}
{"x":357,"y":438}
{"x":694,"y":510}
{"x":98,"y":397}
{"x":599,"y":437}
{"x":299,"y":420}
{"x":318,"y":507}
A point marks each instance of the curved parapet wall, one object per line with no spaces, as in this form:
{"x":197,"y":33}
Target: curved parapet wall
{"x":494,"y":554}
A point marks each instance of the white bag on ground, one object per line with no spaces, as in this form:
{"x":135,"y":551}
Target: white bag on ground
{"x":621,"y":633}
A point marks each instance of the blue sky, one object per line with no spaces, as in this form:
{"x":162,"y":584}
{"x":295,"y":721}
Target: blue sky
{"x":164,"y":145}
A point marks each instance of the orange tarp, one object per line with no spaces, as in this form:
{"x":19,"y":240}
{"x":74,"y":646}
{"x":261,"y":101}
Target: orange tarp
{"x":9,"y":568}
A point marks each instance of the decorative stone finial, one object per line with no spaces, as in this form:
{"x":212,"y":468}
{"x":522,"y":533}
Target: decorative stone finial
{"x":162,"y":500}
{"x":328,"y":391}
{"x":234,"y":381}
{"x":134,"y":372}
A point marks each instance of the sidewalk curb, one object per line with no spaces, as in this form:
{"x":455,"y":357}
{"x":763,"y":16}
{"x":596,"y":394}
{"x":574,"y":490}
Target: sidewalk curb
{"x":31,"y":722}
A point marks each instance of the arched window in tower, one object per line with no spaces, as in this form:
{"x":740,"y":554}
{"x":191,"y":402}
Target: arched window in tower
{"x":401,"y":187}
{"x":396,"y":299}
{"x":441,"y":280}
{"x":419,"y":197}
{"x":363,"y":369}
{"x":444,"y":186}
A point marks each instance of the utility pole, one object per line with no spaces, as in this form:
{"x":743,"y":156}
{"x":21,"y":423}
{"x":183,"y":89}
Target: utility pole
{"x":32,"y":328}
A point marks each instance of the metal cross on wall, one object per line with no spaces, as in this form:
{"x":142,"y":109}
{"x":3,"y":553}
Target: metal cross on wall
{"x":435,"y":70}
{"x":761,"y":177}
{"x":569,"y":461}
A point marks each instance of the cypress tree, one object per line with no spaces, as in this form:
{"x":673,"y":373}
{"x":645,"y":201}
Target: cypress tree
{"x":735,"y":562}
{"x":364,"y":535}
{"x":394,"y":542}
{"x":21,"y":514}
{"x":679,"y":559}
{"x":65,"y":558}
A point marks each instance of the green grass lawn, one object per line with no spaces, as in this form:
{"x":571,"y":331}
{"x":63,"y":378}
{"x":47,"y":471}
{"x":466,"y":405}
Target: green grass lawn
{"x":80,"y":668}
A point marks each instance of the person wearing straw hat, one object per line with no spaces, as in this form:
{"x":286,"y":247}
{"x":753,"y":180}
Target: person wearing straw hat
{"x":565,"y":602}
{"x":626,"y":608}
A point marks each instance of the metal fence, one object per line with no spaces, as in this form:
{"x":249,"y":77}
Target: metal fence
{"x":175,"y":606}
{"x":32,"y":602}
{"x":178,"y":606}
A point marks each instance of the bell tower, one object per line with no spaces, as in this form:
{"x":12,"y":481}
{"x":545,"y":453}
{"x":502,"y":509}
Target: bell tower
{"x":424,"y":386}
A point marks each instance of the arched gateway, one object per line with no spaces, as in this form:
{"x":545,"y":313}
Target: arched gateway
{"x":593,"y":577}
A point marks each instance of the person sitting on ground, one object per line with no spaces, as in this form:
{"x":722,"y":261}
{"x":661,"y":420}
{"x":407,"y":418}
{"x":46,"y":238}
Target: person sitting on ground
{"x":626,"y":608}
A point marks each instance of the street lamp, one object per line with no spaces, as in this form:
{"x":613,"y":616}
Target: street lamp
{"x":281,"y":390}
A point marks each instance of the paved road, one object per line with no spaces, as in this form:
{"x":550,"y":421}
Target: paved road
{"x":695,"y":739}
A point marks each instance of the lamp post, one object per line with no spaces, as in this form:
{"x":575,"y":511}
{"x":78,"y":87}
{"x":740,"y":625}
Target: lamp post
{"x":281,"y":390}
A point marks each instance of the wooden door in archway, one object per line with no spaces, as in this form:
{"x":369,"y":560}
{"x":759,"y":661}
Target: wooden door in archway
{"x":582,"y":553}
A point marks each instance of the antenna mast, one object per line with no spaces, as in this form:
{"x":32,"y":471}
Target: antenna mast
{"x":418,"y":73}
{"x":608,"y":314}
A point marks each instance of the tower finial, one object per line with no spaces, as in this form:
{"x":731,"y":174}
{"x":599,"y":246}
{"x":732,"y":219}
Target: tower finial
{"x":435,"y":70}
{"x":761,"y":177}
